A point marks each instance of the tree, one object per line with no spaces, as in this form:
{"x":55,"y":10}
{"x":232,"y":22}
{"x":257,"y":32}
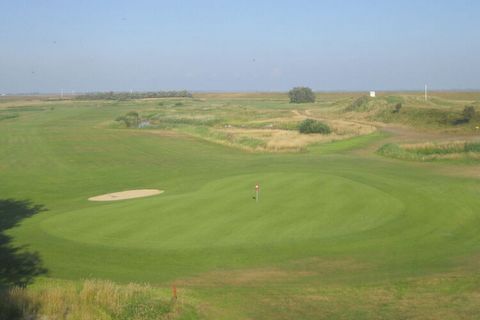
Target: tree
{"x":468,"y":113}
{"x":301,"y":95}
{"x":313,"y":126}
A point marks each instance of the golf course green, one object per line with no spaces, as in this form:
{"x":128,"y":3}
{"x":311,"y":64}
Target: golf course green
{"x":331,"y":224}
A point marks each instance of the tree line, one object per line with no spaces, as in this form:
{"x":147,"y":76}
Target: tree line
{"x":133,"y":95}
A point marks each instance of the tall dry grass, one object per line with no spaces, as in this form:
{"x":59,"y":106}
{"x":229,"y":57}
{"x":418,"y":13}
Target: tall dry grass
{"x":278,"y":140}
{"x":427,"y":151}
{"x":89,"y":300}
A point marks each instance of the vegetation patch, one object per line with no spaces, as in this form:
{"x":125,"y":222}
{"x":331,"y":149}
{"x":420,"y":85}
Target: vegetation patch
{"x":200,"y":121}
{"x":301,"y":95}
{"x":432,"y":151}
{"x":130,"y":120}
{"x":90,"y":299}
{"x":133,"y":95}
{"x":359,"y":104}
{"x":308,"y":126}
{"x":8,"y":116}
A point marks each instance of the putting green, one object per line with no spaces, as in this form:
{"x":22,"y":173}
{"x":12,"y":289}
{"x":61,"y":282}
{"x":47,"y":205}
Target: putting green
{"x":292,"y":207}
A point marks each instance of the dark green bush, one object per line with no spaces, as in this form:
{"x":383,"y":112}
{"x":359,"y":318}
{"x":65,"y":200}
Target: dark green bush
{"x":397,"y":108}
{"x":468,"y":113}
{"x":301,"y":95}
{"x":131,"y":119}
{"x":313,"y":126}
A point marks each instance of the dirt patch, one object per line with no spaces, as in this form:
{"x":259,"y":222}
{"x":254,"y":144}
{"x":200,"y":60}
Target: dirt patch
{"x":294,"y":271}
{"x":124,"y":195}
{"x":249,"y":277}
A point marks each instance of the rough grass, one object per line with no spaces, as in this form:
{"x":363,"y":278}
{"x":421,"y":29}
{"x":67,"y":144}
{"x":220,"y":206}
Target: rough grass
{"x":90,"y":299}
{"x":251,"y":125}
{"x":432,"y":151}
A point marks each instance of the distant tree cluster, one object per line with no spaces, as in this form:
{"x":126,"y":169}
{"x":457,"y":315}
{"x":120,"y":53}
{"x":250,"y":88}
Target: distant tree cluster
{"x":133,"y":95}
{"x":313,"y":126}
{"x":301,"y":95}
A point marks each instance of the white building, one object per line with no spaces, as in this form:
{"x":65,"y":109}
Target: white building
{"x":372,"y":94}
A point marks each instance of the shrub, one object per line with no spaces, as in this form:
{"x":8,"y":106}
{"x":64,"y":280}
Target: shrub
{"x":468,"y":113}
{"x":397,"y":107}
{"x":313,"y":126}
{"x":301,"y":95}
{"x":131,"y":119}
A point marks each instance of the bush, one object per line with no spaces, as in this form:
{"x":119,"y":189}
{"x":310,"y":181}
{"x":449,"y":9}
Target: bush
{"x":398,"y":107}
{"x":313,"y":126}
{"x":468,"y":113}
{"x":301,"y":95}
{"x":131,"y":119}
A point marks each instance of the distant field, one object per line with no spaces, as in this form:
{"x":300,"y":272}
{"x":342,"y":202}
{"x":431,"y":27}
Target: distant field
{"x":339,"y":231}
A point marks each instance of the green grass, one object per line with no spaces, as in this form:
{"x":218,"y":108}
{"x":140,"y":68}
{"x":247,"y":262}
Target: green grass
{"x":336,"y":234}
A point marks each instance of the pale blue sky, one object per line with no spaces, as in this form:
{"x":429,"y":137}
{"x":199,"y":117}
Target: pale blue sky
{"x":238,"y":45}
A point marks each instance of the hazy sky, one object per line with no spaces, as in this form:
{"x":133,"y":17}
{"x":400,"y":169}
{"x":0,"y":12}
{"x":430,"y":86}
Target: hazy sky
{"x":238,"y":45}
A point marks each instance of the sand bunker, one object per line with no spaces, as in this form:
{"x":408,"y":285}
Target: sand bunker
{"x":129,"y":194}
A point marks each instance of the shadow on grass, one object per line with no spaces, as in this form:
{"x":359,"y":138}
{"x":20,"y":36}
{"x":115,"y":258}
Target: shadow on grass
{"x":18,"y":266}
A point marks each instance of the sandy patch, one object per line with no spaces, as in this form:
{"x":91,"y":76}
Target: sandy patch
{"x":123,"y":195}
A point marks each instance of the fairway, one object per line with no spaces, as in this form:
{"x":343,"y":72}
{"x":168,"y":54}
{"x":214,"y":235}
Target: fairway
{"x":335,"y":220}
